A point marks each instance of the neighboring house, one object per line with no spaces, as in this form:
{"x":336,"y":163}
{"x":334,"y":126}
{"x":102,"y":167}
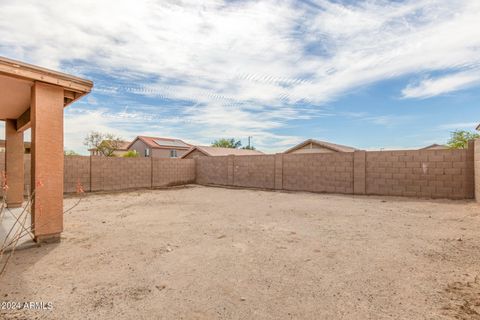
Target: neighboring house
{"x":120,"y":151}
{"x":204,"y":151}
{"x":317,"y":146}
{"x":435,"y":146}
{"x":26,"y":145}
{"x":159,"y":147}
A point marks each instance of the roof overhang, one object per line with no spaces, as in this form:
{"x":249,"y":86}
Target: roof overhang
{"x":17,"y":79}
{"x":193,"y":149}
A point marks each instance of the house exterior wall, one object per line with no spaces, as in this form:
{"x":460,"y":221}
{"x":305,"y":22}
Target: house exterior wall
{"x":195,"y":154}
{"x":312,"y":148}
{"x":139,"y":146}
{"x":165,"y":153}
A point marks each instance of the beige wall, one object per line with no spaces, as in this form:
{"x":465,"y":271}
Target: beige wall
{"x":423,"y":173}
{"x":110,"y":173}
{"x":254,"y":171}
{"x":168,"y":172}
{"x":322,"y":172}
{"x":212,"y":170}
{"x":418,"y":173}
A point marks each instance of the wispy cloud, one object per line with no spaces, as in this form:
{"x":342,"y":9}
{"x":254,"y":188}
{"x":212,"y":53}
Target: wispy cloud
{"x":458,"y":126}
{"x":241,"y":67}
{"x":433,"y":87}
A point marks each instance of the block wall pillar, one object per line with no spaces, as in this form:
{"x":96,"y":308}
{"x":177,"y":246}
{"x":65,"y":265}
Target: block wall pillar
{"x":14,"y":153}
{"x":476,"y":174}
{"x":278,"y":171}
{"x":231,"y":170}
{"x":359,"y":172}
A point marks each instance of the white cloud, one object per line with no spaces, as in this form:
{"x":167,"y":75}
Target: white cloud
{"x":442,"y":85}
{"x":245,"y":65}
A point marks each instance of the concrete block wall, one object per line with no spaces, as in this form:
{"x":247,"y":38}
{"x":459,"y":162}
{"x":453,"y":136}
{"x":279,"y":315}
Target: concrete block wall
{"x":420,"y":173}
{"x":76,"y":170}
{"x":212,"y":170}
{"x":169,"y":172}
{"x":451,"y":174}
{"x":254,"y":171}
{"x":318,"y":172}
{"x":109,"y":173}
{"x":414,"y":173}
{"x":477,"y":169}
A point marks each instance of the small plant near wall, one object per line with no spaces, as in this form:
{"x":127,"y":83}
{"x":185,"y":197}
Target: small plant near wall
{"x":131,"y":154}
{"x":70,"y":153}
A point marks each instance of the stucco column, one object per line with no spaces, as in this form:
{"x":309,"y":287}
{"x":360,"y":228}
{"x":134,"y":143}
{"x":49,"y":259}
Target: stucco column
{"x":47,"y":160}
{"x":14,"y":164}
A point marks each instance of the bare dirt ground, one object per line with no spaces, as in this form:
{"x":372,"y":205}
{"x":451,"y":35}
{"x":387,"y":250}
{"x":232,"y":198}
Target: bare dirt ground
{"x":213,"y":253}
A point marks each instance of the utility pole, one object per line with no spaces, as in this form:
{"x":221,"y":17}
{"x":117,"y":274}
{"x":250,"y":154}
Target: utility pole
{"x":249,"y":139}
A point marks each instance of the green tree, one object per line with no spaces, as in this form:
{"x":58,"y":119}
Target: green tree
{"x":227,"y":143}
{"x":131,"y":154}
{"x":459,"y":139}
{"x":70,"y":153}
{"x":104,"y":143}
{"x":249,"y":148}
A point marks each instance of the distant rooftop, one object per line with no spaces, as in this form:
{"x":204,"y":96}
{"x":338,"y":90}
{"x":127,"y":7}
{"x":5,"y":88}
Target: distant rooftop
{"x":160,"y":143}
{"x":325,"y":144}
{"x":217,"y":151}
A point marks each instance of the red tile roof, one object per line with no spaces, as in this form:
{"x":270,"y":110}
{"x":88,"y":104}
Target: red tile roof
{"x":162,"y":143}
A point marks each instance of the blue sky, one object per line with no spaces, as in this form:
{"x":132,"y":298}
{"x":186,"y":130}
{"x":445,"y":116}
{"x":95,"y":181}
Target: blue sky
{"x":369,"y":74}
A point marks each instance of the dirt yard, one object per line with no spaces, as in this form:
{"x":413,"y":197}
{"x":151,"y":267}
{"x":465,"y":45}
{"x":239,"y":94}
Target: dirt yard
{"x":213,"y":253}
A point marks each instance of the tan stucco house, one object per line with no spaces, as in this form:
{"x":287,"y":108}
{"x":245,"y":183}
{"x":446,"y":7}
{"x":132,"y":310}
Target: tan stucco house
{"x":159,"y":147}
{"x":318,"y":146}
{"x":121,"y":149}
{"x":204,"y":151}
